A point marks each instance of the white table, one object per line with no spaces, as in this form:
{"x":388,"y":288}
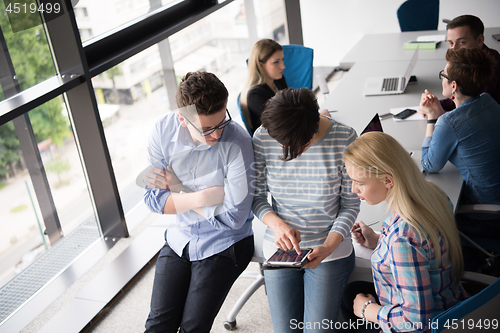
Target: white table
{"x":356,"y":110}
{"x":389,"y":47}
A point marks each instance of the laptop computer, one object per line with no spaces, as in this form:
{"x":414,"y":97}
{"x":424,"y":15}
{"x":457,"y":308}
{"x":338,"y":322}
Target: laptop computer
{"x":373,"y":125}
{"x":392,"y":85}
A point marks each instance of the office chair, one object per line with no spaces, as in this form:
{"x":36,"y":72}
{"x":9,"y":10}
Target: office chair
{"x":259,"y":230}
{"x":299,"y":66}
{"x":480,"y":309}
{"x":243,"y":116}
{"x":416,"y":15}
{"x":488,"y":246}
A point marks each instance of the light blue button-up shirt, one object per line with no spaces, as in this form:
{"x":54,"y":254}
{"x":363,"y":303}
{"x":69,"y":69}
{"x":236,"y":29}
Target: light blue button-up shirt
{"x":227,"y":163}
{"x":469,"y":138}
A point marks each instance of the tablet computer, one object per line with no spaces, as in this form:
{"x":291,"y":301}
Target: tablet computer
{"x":374,"y":125}
{"x":290,"y":258}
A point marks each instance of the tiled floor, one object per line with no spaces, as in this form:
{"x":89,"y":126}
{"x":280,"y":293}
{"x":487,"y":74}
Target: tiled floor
{"x":129,"y":313}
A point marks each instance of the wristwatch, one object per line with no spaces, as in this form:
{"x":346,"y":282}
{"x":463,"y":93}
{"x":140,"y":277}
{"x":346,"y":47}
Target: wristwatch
{"x":431,"y":121}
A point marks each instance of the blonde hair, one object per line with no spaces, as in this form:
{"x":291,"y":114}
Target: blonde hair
{"x":419,"y":202}
{"x":260,"y":53}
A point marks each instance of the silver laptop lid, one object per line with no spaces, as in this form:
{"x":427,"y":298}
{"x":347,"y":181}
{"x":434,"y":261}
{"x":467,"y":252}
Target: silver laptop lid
{"x":409,"y":70}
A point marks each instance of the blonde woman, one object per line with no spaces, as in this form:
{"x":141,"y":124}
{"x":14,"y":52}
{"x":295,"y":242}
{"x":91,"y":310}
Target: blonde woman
{"x":417,"y":260}
{"x":265,"y":78}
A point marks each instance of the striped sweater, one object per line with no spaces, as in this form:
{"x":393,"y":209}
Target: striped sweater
{"x":312,"y":193}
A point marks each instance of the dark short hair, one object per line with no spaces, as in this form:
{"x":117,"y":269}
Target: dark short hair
{"x":204,"y":90}
{"x":291,"y":117}
{"x":471,"y":69}
{"x":475,"y":25}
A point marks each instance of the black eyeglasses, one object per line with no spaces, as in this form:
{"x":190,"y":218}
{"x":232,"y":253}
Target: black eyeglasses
{"x":442,"y":75}
{"x":211,"y":130}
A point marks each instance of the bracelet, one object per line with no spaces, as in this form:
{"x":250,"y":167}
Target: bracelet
{"x":364,"y":308}
{"x":431,"y":121}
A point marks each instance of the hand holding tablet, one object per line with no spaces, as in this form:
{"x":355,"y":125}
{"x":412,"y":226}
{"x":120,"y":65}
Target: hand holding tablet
{"x":288,"y":259}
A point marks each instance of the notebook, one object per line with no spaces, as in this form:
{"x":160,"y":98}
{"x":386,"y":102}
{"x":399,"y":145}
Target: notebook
{"x":392,"y":85}
{"x":374,"y":125}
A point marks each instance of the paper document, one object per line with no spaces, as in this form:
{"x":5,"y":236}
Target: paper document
{"x":415,"y":116}
{"x":431,"y":38}
{"x":362,"y":251}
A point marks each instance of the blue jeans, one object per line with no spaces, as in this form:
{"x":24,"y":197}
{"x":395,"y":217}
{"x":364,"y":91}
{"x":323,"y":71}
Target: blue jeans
{"x":188,"y":294}
{"x":308,"y":299}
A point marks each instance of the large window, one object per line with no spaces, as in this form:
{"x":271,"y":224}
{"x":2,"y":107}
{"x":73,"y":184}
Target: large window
{"x":134,"y":93}
{"x":102,"y":16}
{"x":28,"y":68}
{"x":22,"y":221}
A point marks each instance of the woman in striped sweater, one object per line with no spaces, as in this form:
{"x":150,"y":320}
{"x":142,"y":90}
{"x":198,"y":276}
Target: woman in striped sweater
{"x":298,"y":160}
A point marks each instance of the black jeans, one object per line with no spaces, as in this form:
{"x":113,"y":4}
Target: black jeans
{"x":352,"y":323}
{"x":188,"y":294}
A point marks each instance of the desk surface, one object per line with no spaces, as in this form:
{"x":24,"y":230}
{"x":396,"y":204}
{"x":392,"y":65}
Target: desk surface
{"x":389,"y":47}
{"x":356,"y":110}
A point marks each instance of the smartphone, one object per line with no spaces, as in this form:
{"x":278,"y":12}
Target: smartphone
{"x":288,"y":258}
{"x":496,"y":36}
{"x":405,"y":113}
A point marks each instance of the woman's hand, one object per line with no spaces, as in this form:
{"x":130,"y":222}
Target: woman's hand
{"x":317,"y":255}
{"x":360,"y":301}
{"x":365,"y":235}
{"x":324,"y":112}
{"x":286,"y":237}
{"x":321,"y":252}
{"x":430,"y":107}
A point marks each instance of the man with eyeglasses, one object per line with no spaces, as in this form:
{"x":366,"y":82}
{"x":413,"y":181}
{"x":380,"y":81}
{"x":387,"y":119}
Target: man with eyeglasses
{"x":467,"y":31}
{"x":468,"y":138}
{"x":203,"y":163}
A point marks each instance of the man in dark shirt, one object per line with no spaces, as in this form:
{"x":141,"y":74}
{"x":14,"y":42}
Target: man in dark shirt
{"x":467,"y":31}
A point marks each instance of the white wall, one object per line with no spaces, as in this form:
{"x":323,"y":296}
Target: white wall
{"x":332,"y":27}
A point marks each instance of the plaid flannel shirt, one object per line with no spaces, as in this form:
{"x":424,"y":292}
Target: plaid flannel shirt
{"x":411,"y":287}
